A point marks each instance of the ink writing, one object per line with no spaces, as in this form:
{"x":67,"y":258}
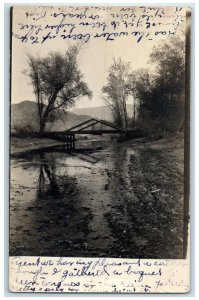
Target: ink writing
{"x":41,"y":25}
{"x":41,"y":274}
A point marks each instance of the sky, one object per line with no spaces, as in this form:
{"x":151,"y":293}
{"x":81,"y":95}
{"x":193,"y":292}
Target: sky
{"x":94,"y":59}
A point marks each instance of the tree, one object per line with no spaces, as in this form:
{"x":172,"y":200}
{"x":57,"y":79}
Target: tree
{"x":161,"y":93}
{"x":140,"y":86}
{"x":118,"y":90}
{"x":57,"y":82}
{"x":169,"y":84}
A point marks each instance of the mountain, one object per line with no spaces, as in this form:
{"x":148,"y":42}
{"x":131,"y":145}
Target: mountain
{"x":100,"y":112}
{"x":24,"y":117}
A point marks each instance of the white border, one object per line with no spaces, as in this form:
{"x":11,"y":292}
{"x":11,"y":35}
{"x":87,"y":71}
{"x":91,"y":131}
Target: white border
{"x":194,"y":137}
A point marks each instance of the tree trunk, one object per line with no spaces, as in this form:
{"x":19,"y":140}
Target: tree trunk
{"x":125,"y":114}
{"x":134,"y":112}
{"x":42,"y":127}
{"x":46,"y":112}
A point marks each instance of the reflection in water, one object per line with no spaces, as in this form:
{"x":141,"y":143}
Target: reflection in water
{"x":94,"y":205}
{"x":51,"y":184}
{"x":58,"y":228}
{"x":44,"y":188}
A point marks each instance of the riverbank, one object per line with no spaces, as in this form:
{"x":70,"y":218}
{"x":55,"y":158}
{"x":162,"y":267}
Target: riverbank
{"x":21,"y":145}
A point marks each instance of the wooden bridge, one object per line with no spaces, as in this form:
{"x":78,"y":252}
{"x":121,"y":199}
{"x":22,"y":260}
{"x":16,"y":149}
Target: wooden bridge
{"x":83,"y":128}
{"x":92,"y":126}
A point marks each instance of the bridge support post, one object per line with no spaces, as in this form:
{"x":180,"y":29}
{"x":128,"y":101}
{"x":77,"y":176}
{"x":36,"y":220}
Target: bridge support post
{"x":70,"y":141}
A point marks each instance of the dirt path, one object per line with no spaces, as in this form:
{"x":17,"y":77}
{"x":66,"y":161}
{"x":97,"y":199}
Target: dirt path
{"x":123,"y":201}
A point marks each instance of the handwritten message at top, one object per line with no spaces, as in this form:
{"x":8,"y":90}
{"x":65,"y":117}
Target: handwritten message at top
{"x":39,"y":24}
{"x":54,"y":274}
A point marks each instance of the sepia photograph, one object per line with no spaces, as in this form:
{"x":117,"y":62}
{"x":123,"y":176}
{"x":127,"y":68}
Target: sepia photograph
{"x":99,"y":132}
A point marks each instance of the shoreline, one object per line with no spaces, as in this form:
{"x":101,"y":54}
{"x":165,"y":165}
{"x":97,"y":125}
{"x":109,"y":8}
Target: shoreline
{"x":22,"y":145}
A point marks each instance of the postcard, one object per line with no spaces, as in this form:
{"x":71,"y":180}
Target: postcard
{"x":99,"y":149}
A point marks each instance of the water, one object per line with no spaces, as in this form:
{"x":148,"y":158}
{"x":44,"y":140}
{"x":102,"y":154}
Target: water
{"x":95,"y":204}
{"x":59,"y":200}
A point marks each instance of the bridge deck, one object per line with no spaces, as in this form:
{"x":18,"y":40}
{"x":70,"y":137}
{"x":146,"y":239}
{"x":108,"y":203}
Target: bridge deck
{"x":108,"y":131}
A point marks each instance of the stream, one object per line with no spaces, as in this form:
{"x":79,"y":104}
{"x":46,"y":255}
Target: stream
{"x":85,"y":205}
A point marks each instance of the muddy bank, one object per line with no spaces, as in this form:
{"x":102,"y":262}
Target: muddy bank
{"x":22,"y":145}
{"x":123,"y":201}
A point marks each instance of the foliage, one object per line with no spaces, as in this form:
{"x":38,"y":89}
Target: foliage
{"x":161,"y":95}
{"x":57,"y":82}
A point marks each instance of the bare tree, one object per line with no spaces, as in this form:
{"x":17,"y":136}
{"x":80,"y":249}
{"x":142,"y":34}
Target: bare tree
{"x":57,"y":82}
{"x":117,"y":90}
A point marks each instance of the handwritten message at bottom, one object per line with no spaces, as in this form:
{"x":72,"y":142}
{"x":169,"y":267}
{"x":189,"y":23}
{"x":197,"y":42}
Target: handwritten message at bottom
{"x":54,"y":274}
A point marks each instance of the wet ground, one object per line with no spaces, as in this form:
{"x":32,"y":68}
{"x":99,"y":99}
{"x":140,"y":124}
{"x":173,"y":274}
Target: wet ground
{"x":125,"y":200}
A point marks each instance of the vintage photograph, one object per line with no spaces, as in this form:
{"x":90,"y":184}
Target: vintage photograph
{"x":99,"y":131}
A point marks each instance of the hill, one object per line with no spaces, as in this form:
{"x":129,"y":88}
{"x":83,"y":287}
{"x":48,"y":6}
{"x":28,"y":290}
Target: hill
{"x":100,"y":112}
{"x":24,"y":118}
